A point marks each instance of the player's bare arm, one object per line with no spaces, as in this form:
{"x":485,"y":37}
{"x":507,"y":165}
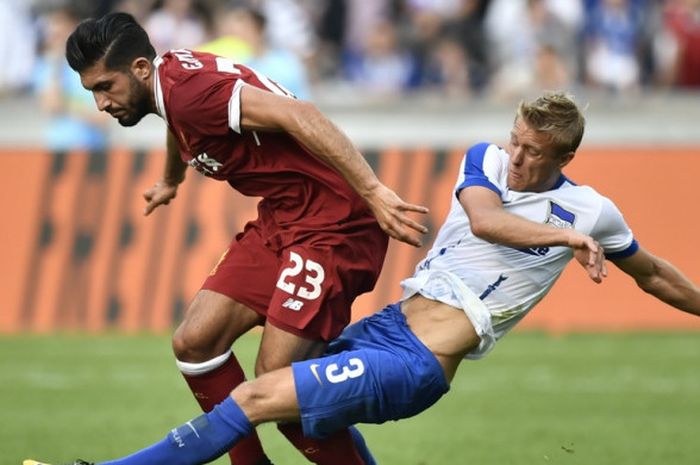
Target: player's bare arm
{"x":165,"y":189}
{"x":491,"y":222}
{"x":261,"y":110}
{"x":662,"y":279}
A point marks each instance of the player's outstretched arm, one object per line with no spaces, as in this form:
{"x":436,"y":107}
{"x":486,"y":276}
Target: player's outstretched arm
{"x":491,"y":222}
{"x":261,"y":110}
{"x":662,"y":279}
{"x":165,"y":189}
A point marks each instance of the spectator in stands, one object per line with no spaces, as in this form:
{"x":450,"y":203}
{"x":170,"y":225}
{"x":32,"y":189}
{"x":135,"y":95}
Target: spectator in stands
{"x":73,"y":121}
{"x":440,"y":62}
{"x":682,"y":17}
{"x":139,"y":9}
{"x":249,"y":26}
{"x":466,"y":26}
{"x":176,"y":24}
{"x":532,"y":58}
{"x":612,"y":42}
{"x":290,"y":26}
{"x":449,"y":67}
{"x":551,"y":70}
{"x":331,"y":30}
{"x":382,"y":67}
{"x":344,"y":28}
{"x":17,"y":46}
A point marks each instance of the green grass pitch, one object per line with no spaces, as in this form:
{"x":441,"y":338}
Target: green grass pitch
{"x":578,"y":399}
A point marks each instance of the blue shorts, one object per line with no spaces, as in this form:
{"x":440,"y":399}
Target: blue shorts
{"x":376,"y":370}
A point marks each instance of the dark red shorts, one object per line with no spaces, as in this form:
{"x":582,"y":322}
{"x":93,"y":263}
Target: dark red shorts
{"x":306,"y":288}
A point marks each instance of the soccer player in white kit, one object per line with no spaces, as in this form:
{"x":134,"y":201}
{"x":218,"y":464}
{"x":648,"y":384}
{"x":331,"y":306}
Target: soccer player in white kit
{"x":514,"y":224}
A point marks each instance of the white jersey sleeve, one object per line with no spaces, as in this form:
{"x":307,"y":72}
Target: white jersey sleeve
{"x":484,"y":165}
{"x":613,"y":233}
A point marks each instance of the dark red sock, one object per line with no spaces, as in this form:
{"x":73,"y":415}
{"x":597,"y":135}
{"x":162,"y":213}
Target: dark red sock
{"x":337,"y":449}
{"x":211,"y":388}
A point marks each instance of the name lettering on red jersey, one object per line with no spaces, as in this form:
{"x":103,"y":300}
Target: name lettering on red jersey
{"x":186,"y":59}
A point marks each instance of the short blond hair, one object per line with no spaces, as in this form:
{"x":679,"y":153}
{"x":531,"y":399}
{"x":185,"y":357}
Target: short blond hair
{"x":555,"y":114}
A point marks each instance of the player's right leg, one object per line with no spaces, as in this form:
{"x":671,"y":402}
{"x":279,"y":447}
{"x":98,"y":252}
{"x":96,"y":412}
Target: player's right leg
{"x":202,"y":346}
{"x":229,"y":304}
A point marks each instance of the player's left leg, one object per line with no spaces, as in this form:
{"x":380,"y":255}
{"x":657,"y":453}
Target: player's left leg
{"x":277,"y":350}
{"x":233,"y":299}
{"x":312,"y":304}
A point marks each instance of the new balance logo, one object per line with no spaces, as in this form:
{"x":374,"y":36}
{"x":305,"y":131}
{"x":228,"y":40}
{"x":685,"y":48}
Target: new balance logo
{"x":204,"y":164}
{"x":293,"y":304}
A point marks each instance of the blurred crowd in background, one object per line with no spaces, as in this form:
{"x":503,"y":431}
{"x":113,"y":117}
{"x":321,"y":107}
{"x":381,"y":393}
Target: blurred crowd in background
{"x":374,"y":49}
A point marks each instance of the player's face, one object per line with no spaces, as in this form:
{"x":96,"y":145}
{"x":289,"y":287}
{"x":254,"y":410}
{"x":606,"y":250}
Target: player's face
{"x":534,"y":166}
{"x":120,"y":93}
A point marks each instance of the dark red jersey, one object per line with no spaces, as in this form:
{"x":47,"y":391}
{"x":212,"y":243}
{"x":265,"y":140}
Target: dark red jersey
{"x":198,"y":94}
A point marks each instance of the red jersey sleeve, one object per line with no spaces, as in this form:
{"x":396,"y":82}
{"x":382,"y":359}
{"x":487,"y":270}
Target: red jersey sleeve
{"x":204,"y":96}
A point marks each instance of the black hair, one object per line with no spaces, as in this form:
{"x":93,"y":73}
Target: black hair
{"x":116,"y":37}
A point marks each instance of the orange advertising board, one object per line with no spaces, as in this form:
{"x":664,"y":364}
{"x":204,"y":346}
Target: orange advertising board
{"x":78,"y":254}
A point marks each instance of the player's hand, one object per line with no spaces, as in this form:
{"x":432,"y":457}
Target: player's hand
{"x":160,"y":194}
{"x":391,"y":213}
{"x":589,"y":253}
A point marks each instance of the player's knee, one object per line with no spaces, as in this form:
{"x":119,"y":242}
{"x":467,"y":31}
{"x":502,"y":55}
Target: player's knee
{"x":251,"y":399}
{"x":189,"y":346}
{"x":180,"y":344}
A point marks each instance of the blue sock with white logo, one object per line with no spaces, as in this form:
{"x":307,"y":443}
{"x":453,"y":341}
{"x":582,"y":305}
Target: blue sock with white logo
{"x":198,"y":441}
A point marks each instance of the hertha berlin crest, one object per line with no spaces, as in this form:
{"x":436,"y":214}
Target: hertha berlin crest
{"x":559,"y":217}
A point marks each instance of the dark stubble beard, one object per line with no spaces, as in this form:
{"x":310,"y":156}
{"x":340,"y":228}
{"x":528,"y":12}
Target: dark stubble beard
{"x":139,"y":103}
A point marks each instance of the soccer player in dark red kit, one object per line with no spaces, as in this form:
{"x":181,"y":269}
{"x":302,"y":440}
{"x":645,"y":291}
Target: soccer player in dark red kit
{"x":321,"y":233}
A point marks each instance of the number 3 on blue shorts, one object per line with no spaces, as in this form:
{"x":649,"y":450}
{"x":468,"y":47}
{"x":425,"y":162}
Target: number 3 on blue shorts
{"x":336,"y":374}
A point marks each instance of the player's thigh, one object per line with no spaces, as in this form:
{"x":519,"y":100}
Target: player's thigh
{"x":317,"y":285}
{"x":279,"y":348}
{"x":233,"y":299}
{"x":247,"y":271}
{"x":211,"y":324}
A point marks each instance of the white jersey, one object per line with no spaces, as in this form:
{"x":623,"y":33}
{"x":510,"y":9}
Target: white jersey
{"x":497,"y":285}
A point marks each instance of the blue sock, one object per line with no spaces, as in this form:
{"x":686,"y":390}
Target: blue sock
{"x":198,"y":441}
{"x":361,"y":446}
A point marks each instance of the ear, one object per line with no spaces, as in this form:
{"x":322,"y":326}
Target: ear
{"x":566,"y":159}
{"x":142,"y":68}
